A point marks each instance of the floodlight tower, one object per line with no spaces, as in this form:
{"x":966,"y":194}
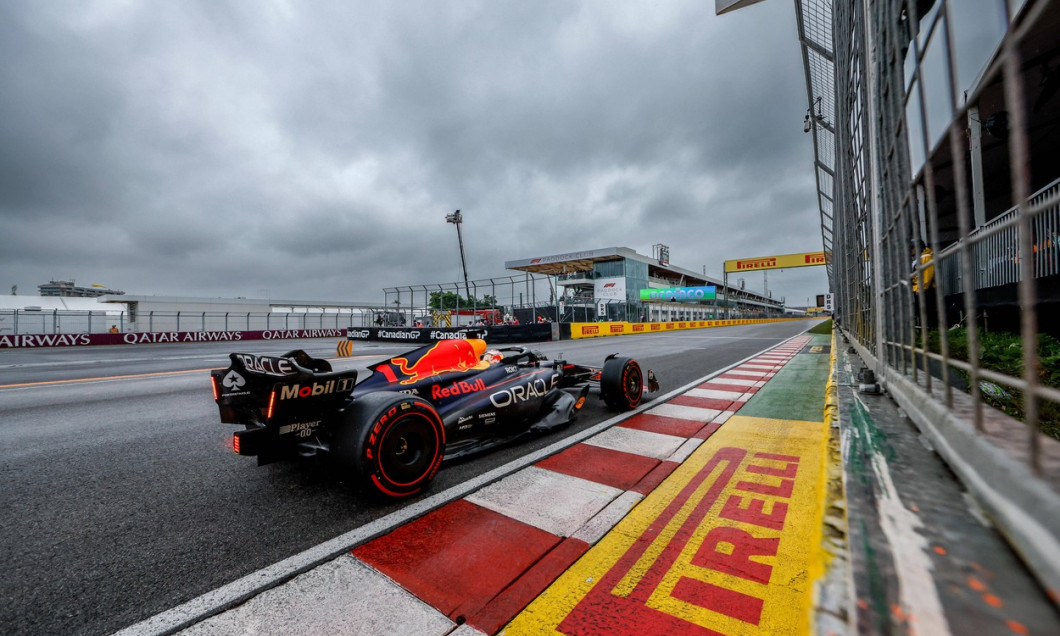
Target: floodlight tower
{"x":456,"y":219}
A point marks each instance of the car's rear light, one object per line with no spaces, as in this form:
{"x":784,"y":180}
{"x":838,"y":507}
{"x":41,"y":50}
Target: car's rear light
{"x":272,"y":403}
{"x":213,"y":385}
{"x":250,"y":441}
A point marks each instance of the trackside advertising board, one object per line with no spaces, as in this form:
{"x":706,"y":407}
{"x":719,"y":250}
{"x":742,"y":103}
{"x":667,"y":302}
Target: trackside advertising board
{"x":495,"y":334}
{"x":603,"y":329}
{"x":498,"y":334}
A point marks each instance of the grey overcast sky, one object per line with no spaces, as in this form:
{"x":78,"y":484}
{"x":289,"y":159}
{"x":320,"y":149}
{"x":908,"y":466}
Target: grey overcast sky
{"x":311,"y":150}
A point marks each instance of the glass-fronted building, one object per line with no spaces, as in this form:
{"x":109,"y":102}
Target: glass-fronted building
{"x":606,"y":284}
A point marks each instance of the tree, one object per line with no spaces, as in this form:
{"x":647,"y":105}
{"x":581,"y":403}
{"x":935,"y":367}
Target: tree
{"x":451,"y":300}
{"x":446,"y":300}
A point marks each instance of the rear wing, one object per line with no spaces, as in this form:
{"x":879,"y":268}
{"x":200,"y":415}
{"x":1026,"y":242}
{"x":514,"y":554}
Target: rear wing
{"x":271,"y":390}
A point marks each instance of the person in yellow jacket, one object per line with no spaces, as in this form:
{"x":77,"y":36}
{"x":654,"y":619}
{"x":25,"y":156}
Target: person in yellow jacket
{"x":927,"y":273}
{"x":924,"y":279}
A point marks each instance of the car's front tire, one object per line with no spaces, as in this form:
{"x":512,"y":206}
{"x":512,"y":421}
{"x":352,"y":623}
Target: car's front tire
{"x":393,"y":441}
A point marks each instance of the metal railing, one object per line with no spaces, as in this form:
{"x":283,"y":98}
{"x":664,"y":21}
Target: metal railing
{"x":995,"y":246}
{"x":926,"y":130}
{"x":529,"y":290}
{"x":530,"y":296}
{"x":65,"y":321}
{"x":59,"y":321}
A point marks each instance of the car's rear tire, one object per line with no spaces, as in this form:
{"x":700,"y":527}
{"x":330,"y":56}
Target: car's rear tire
{"x":622,"y":384}
{"x":392,"y":441}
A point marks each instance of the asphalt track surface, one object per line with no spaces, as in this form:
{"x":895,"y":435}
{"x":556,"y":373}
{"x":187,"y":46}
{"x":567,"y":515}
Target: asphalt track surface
{"x":121,"y":498}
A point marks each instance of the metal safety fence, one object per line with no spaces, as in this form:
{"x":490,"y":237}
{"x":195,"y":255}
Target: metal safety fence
{"x":506,"y":294}
{"x":935,"y":128}
{"x":531,"y":297}
{"x":995,"y":247}
{"x":67,"y":321}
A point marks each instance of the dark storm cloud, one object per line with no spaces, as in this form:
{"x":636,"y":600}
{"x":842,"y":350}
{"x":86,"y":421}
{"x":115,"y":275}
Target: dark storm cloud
{"x":313,"y":150}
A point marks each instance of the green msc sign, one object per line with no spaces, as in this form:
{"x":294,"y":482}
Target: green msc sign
{"x":679,"y":293}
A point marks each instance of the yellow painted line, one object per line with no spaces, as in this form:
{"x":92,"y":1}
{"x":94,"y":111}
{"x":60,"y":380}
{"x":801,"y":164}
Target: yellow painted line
{"x":730,"y":542}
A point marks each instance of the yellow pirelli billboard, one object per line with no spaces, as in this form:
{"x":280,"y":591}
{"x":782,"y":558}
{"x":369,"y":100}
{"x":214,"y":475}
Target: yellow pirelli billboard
{"x":783,"y":261}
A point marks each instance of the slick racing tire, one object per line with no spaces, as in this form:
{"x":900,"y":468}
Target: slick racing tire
{"x":622,"y":384}
{"x":393,"y":441}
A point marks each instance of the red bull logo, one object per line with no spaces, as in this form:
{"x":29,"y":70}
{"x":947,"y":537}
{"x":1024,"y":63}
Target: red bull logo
{"x":446,"y":356}
{"x":457,"y":388}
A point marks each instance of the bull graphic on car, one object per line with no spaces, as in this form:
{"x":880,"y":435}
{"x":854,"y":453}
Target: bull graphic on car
{"x":441,"y":357}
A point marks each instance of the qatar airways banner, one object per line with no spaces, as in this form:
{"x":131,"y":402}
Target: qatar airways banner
{"x":498,"y":334}
{"x":30,"y":341}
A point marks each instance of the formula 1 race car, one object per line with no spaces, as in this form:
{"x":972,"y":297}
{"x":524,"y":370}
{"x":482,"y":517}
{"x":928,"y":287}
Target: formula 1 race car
{"x":393,"y":429}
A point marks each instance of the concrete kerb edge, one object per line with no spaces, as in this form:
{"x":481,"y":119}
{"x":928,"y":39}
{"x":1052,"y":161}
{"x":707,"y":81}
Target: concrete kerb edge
{"x":1004,"y":487}
{"x":834,"y":600}
{"x":239,"y":591}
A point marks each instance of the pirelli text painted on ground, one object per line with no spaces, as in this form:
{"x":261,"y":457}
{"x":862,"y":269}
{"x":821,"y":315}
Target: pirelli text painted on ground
{"x":729,"y":544}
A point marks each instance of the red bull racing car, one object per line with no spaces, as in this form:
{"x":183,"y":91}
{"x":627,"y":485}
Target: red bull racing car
{"x":393,"y":429}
